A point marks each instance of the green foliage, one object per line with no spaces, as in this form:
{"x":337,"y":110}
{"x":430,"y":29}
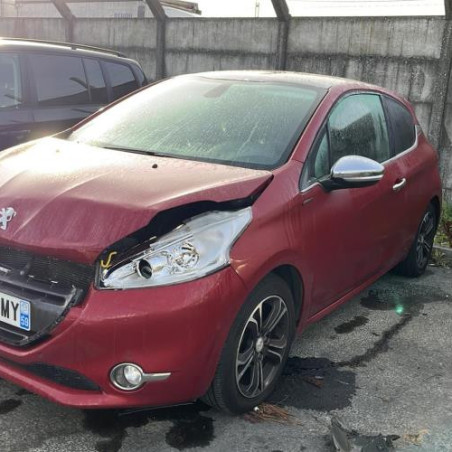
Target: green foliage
{"x":444,"y":234}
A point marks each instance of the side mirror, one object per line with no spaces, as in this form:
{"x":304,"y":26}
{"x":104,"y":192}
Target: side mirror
{"x":353,"y":171}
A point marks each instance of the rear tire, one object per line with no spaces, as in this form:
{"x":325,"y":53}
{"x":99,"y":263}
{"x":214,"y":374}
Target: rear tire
{"x":416,"y":262}
{"x":256,"y":349}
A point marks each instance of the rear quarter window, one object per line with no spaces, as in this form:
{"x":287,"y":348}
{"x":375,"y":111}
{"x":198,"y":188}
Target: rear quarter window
{"x":402,"y":124}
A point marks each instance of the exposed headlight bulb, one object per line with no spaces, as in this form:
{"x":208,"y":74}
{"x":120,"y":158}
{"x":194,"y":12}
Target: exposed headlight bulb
{"x":144,"y":269}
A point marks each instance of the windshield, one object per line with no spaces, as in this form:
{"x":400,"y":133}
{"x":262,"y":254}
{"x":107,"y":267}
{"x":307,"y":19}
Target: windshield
{"x":241,"y":123}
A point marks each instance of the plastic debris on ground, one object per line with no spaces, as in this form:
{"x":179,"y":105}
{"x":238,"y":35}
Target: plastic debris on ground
{"x":351,"y":441}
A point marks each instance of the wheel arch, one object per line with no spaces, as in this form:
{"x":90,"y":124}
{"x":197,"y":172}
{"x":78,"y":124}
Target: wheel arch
{"x":292,"y":277}
{"x":436,"y":203}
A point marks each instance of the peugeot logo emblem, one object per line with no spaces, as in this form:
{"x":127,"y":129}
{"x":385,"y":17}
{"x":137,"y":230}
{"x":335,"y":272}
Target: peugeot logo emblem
{"x":6,"y":215}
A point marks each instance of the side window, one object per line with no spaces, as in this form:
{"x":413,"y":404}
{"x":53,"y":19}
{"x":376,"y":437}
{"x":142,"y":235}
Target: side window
{"x":402,"y":125}
{"x":318,"y":163}
{"x":60,"y":80}
{"x":97,"y":86}
{"x":10,"y":82}
{"x":122,"y":79}
{"x":357,"y":126}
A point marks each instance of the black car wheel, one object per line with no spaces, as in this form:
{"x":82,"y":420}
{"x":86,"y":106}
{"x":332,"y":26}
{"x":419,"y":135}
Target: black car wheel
{"x":421,"y":249}
{"x":256,"y":349}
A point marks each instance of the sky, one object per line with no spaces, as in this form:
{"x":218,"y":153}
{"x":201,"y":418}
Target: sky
{"x":264,"y":8}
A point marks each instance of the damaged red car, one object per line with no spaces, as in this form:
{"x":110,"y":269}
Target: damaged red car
{"x":169,"y":247}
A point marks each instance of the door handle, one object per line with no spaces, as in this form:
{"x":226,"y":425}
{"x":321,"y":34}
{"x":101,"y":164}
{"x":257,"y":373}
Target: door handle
{"x":399,"y":185}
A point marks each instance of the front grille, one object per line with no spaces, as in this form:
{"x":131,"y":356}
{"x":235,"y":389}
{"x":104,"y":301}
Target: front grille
{"x":52,"y":286}
{"x":47,"y":268}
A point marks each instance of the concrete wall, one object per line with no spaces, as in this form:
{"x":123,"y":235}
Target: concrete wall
{"x":51,"y":29}
{"x":7,"y":9}
{"x":446,"y":144}
{"x":409,"y":55}
{"x":216,"y":44}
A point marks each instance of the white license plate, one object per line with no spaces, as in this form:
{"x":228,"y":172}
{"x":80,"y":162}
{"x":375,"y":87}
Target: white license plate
{"x":15,"y":311}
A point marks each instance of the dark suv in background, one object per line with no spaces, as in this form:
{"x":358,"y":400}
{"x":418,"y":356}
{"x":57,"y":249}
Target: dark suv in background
{"x":46,"y":87}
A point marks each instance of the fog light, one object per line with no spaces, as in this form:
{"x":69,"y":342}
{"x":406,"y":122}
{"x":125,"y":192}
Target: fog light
{"x":133,"y":375}
{"x":127,"y":376}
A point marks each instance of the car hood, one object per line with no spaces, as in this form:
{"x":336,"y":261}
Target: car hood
{"x":72,"y":200}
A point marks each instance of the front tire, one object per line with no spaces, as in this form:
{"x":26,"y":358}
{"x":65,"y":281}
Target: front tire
{"x":256,"y":349}
{"x":419,"y":255}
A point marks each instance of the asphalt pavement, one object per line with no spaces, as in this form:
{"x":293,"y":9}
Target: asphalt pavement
{"x":381,"y":364}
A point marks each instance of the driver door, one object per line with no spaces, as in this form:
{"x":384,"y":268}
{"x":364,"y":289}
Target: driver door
{"x":353,"y":230}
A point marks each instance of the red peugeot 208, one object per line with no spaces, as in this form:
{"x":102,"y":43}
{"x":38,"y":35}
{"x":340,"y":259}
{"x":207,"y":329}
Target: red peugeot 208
{"x":169,"y":247}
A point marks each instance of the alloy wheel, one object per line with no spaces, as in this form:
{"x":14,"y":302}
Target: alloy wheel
{"x":425,"y":238}
{"x":262,"y":346}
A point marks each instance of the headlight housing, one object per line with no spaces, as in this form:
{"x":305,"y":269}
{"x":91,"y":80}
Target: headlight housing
{"x":195,"y":249}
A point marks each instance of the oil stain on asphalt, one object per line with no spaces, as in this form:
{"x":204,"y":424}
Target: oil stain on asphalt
{"x":401,"y":300}
{"x":8,"y":405}
{"x":351,"y":325}
{"x":381,"y":346}
{"x":374,"y":302}
{"x":190,"y":428}
{"x":196,"y":432}
{"x":23,"y":392}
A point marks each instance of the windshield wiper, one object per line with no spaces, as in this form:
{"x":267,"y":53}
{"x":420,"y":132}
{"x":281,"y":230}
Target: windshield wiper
{"x":141,"y":151}
{"x":126,"y":149}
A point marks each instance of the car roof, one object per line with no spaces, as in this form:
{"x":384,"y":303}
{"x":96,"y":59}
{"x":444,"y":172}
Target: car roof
{"x":285,"y":77}
{"x":60,"y":47}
